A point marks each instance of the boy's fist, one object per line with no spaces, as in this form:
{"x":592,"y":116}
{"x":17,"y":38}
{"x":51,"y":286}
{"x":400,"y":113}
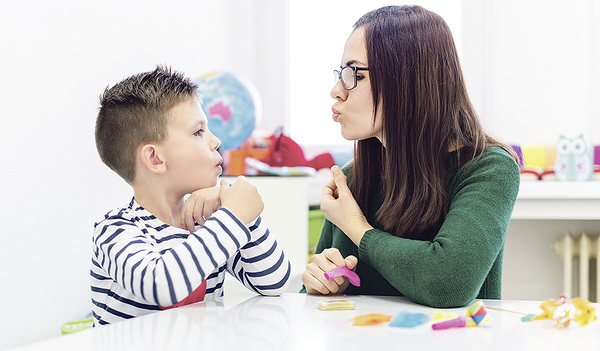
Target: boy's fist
{"x":241,"y":198}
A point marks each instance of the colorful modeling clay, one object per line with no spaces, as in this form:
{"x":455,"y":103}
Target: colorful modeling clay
{"x":405,"y":319}
{"x":336,"y":305}
{"x":585,"y":312}
{"x":563,"y":311}
{"x":343,"y":271}
{"x":475,"y":315}
{"x":458,"y":322}
{"x":371,"y":319}
{"x":478,"y":313}
{"x":527,"y":317}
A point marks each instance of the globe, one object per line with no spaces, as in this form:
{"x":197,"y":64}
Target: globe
{"x":231,"y":104}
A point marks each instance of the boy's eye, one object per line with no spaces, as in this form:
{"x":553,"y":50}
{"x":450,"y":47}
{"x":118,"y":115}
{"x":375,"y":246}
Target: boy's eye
{"x":198,"y":132}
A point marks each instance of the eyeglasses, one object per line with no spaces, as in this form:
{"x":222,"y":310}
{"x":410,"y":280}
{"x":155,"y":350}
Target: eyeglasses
{"x":348,"y":76}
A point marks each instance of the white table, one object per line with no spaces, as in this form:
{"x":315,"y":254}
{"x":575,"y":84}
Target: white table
{"x":293,"y":322}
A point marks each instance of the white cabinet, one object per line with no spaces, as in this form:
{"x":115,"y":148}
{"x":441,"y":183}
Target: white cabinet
{"x":544,"y":212}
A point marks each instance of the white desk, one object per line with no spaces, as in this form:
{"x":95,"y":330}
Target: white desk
{"x":293,"y":322}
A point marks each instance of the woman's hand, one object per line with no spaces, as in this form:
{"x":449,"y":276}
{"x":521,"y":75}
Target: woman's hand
{"x":199,"y":206}
{"x":314,"y":279}
{"x":341,"y":209}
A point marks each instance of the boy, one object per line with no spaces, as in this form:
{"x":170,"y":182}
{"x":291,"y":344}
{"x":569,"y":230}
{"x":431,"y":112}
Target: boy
{"x":152,"y":132}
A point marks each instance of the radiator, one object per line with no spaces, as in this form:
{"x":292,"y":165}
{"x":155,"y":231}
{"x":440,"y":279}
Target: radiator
{"x":580,"y":258}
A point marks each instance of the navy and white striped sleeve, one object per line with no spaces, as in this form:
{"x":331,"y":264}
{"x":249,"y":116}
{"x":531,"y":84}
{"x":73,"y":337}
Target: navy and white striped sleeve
{"x":167,"y":277}
{"x":261,"y":264}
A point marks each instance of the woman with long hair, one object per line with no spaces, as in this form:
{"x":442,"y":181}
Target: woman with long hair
{"x":424,"y":208}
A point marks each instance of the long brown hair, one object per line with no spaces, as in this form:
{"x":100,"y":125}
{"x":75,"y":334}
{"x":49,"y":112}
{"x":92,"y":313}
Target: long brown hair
{"x":416,"y":77}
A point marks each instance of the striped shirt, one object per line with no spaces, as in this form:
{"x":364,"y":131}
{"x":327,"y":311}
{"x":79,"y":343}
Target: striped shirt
{"x":140,"y":263}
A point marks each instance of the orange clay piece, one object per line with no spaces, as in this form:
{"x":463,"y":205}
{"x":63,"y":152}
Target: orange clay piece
{"x":371,"y":319}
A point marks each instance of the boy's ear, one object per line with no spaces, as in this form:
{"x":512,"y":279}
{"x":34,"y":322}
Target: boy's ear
{"x":151,"y":159}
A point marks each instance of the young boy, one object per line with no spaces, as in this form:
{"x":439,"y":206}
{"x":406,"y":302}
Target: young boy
{"x":152,"y":132}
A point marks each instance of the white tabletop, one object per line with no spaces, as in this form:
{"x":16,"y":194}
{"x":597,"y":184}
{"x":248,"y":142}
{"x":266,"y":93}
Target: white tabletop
{"x":293,"y":322}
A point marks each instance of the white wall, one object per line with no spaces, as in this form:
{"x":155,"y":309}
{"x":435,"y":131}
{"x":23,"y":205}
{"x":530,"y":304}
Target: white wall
{"x":57,"y":57}
{"x":533,"y":67}
{"x":531,"y":269}
{"x":317,"y":40}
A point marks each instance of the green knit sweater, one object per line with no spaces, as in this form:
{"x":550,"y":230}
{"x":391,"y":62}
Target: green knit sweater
{"x":463,"y":261}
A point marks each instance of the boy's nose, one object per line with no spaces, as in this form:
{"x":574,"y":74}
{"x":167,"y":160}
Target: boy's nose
{"x":216,"y":142}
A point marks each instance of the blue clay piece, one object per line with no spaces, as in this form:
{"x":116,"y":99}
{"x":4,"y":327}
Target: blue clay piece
{"x":478,"y":318}
{"x":406,"y":319}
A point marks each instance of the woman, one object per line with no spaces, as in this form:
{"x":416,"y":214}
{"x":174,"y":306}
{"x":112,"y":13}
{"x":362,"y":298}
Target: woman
{"x":426,"y":204}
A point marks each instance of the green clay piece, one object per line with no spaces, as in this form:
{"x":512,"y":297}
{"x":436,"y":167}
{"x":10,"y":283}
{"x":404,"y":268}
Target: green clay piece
{"x":528,"y":317}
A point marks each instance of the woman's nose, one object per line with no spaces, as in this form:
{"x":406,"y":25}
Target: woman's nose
{"x":338,"y":92}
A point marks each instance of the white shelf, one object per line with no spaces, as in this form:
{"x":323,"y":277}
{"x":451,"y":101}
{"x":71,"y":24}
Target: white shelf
{"x":542,"y":189}
{"x":546,"y":200}
{"x":554,"y":200}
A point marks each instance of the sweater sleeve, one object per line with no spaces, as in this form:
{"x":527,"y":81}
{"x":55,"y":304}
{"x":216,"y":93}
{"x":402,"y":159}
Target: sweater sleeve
{"x":261,"y":264}
{"x":450,"y":270}
{"x":167,"y":277}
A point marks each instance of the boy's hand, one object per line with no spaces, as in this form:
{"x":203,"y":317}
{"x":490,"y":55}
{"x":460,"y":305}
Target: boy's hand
{"x":241,"y":198}
{"x":199,"y":206}
{"x":314,"y":279}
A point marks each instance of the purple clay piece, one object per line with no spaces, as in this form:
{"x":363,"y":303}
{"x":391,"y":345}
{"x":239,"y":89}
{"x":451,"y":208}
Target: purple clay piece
{"x":343,"y":271}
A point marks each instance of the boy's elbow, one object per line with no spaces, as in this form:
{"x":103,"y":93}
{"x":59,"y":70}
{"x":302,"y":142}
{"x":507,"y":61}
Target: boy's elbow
{"x":277,"y":288}
{"x":271,"y":291}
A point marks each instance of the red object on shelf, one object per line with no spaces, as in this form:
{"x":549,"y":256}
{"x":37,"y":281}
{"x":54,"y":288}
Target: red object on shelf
{"x":283,"y":151}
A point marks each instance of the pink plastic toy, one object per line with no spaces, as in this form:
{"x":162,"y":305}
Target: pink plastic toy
{"x":343,"y":271}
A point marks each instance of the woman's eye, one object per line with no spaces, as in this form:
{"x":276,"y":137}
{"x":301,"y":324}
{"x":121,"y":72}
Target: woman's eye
{"x":198,"y":132}
{"x":358,"y":77}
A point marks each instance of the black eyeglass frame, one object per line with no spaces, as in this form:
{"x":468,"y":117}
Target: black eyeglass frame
{"x":338,"y":75}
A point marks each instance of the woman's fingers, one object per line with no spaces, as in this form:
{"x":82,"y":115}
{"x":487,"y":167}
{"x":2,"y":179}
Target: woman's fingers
{"x":314,"y":279}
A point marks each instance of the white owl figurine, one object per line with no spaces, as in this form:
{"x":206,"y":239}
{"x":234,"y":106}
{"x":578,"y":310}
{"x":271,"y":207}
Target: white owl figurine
{"x":574,"y":159}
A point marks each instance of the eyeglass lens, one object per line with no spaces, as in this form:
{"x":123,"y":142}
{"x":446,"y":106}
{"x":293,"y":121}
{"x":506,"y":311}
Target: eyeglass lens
{"x":347,"y":75}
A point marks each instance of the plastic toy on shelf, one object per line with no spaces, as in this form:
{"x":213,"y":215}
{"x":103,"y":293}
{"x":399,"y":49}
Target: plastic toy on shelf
{"x":571,"y":159}
{"x":276,"y":154}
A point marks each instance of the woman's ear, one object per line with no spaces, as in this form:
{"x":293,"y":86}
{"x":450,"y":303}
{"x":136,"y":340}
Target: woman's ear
{"x":151,"y":159}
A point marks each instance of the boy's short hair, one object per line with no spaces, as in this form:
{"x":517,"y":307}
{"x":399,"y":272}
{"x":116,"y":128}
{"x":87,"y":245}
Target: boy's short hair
{"x":134,"y":111}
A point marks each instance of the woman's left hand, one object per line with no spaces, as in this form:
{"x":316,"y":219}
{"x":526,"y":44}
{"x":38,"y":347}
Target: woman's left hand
{"x":340,"y":207}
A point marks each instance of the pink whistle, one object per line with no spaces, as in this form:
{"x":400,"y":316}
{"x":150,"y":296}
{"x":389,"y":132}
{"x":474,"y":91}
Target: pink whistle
{"x":343,"y":271}
{"x":459,"y":322}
